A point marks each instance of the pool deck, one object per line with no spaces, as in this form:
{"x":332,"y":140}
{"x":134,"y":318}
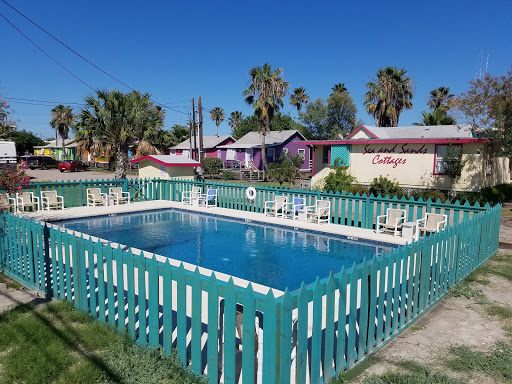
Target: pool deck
{"x":335,"y":229}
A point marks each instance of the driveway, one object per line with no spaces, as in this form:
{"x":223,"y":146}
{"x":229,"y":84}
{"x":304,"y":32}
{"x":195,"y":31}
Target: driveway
{"x":56,"y":175}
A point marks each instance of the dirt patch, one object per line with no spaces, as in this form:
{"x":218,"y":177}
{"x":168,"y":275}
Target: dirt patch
{"x":498,"y":289}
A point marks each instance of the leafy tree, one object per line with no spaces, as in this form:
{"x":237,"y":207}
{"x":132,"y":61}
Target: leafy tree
{"x":385,"y":187}
{"x":453,"y":163}
{"x":299,"y":98}
{"x":315,"y":120}
{"x":436,"y":117}
{"x":212,"y":165}
{"x":338,"y":88}
{"x":341,"y":114}
{"x":179,"y":133}
{"x":280,"y":122}
{"x":6,"y":127}
{"x":487,"y":106}
{"x":390,"y":92}
{"x":339,"y":180}
{"x":25,"y":141}
{"x":117,"y":121}
{"x":217,"y":115}
{"x":235,"y":119}
{"x":62,"y":120}
{"x":265,"y":95}
{"x":285,"y":169}
{"x":439,"y":99}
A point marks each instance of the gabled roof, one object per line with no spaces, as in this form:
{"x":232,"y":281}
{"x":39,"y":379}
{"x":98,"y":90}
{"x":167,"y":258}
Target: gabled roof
{"x":169,"y":160}
{"x":70,"y":143}
{"x":253,"y":139}
{"x":416,"y":132}
{"x":208,"y":142}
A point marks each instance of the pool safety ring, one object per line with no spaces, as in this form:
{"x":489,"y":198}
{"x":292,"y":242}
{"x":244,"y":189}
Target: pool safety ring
{"x":250,"y":193}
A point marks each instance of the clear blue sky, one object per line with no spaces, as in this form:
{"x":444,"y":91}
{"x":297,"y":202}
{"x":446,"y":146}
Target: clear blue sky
{"x":182,"y":49}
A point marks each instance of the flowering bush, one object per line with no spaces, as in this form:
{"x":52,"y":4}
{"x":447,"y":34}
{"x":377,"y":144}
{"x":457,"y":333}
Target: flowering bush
{"x":14,"y":181}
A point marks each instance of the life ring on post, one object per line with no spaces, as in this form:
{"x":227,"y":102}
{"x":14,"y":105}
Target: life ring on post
{"x":250,"y":193}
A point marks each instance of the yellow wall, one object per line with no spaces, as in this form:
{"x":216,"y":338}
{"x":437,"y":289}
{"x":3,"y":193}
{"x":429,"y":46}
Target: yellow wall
{"x":150,"y":169}
{"x":416,"y":170}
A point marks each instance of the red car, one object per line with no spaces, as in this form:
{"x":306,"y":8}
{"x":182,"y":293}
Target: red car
{"x":72,"y":165}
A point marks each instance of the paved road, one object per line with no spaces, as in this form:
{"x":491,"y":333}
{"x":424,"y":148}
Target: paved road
{"x":56,"y":175}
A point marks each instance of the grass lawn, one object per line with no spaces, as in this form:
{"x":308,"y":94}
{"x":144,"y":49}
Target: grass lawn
{"x":247,"y":182}
{"x":55,"y":344}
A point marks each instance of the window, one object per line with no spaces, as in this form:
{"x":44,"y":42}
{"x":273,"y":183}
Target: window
{"x":285,"y":151}
{"x":302,"y":152}
{"x":439,"y":159}
{"x":271,"y":153}
{"x":325,"y":154}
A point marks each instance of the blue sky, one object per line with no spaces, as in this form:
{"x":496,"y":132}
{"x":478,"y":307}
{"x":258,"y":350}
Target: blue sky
{"x":179,"y":50}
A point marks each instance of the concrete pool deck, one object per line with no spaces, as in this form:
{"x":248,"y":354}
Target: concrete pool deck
{"x":81,"y":212}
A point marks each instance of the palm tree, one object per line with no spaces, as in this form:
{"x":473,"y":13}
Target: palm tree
{"x":217,"y":115}
{"x":338,"y":88}
{"x":62,"y":119}
{"x":265,"y":94}
{"x":118,"y":121}
{"x":235,"y":119}
{"x":390,"y":92}
{"x":437,"y":117}
{"x":299,"y":98}
{"x":439,"y":99}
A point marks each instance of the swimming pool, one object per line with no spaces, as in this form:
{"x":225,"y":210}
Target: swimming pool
{"x":274,"y":256}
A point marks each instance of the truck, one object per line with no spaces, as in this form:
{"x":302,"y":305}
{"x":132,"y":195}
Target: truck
{"x":8,"y":157}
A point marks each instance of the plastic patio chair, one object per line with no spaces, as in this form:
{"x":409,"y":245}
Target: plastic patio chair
{"x":27,"y":200}
{"x":95,"y":197}
{"x":273,"y":207}
{"x":187,"y":197}
{"x":319,"y":213}
{"x":294,"y":208}
{"x":7,"y":202}
{"x":431,"y":223}
{"x":120,"y":197}
{"x":394,"y":218}
{"x":50,"y":200}
{"x":209,"y":199}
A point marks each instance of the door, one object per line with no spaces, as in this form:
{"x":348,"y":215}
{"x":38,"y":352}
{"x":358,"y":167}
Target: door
{"x":248,"y":156}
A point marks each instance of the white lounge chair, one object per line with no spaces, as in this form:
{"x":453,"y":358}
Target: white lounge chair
{"x":27,"y":200}
{"x":273,"y":207}
{"x":393,"y":220}
{"x":187,"y":197}
{"x":120,"y":197}
{"x":209,"y":199}
{"x":50,"y":200}
{"x":95,"y":197}
{"x":7,"y":202}
{"x":431,"y":223}
{"x":294,"y":209}
{"x":319,"y":213}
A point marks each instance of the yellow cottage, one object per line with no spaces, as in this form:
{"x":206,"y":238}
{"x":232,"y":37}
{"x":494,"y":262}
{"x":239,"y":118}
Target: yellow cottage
{"x":166,"y":167}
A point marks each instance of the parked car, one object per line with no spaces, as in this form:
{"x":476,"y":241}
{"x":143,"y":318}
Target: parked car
{"x":43,"y":162}
{"x":72,"y":165}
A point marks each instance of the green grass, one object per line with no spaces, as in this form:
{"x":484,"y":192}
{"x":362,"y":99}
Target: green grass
{"x":414,"y":329}
{"x":501,"y":266}
{"x":411,"y":378}
{"x":464,"y":289}
{"x":495,"y":363}
{"x":9,"y":283}
{"x":500,"y":311}
{"x":247,"y":182}
{"x":56,"y":344}
{"x":353,"y":373}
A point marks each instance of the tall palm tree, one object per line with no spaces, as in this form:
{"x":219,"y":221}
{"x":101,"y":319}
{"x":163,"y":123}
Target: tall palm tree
{"x":217,"y":115}
{"x":119,"y":121}
{"x":338,"y":88}
{"x":235,"y":119}
{"x":390,"y":92}
{"x":439,"y":99}
{"x":62,"y":119}
{"x":299,"y":98}
{"x":437,"y":117}
{"x":265,"y":94}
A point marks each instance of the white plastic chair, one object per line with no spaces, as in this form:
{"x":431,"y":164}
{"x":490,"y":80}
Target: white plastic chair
{"x":209,"y":199}
{"x":273,"y":207}
{"x":7,"y":202}
{"x":95,"y":197}
{"x":50,"y":200}
{"x":27,"y":200}
{"x":394,"y":218}
{"x":120,"y":197}
{"x":431,"y":223}
{"x":294,"y":208}
{"x":319,"y":213}
{"x":187,"y":197}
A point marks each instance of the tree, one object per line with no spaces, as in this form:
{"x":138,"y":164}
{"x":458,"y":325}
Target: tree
{"x":439,"y":99}
{"x":25,"y":141}
{"x":217,"y":115}
{"x":299,"y":98}
{"x":117,"y":121}
{"x":339,"y":180}
{"x":280,"y":122}
{"x":487,"y":107}
{"x":285,"y":169}
{"x":338,"y":88}
{"x":341,"y":114}
{"x":315,"y":120}
{"x":6,"y":127}
{"x":235,"y":119}
{"x":453,"y":164}
{"x":62,"y":120}
{"x":212,"y":165}
{"x":390,"y":92}
{"x":436,"y":117}
{"x":179,"y":133}
{"x":265,"y":94}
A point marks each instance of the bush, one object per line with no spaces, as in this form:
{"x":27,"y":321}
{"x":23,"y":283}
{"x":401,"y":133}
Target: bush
{"x":432,"y":195}
{"x":384,"y":186}
{"x":471,"y":197}
{"x":358,"y":189}
{"x":229,"y":175}
{"x":212,"y":165}
{"x":339,"y":180}
{"x":493,"y":195}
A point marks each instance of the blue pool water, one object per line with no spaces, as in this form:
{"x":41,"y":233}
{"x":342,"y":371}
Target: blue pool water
{"x":268,"y":255}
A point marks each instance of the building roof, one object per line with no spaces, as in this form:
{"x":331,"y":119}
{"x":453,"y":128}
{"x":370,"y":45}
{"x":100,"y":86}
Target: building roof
{"x":417,"y":132}
{"x":70,"y":143}
{"x":253,"y":139}
{"x":208,"y":142}
{"x":169,"y":160}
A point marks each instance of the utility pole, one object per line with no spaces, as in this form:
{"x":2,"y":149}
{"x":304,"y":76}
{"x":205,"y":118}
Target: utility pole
{"x":194,"y":156}
{"x":200,"y":112}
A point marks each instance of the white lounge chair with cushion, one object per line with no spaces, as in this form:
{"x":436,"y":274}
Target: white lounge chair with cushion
{"x":319,"y":213}
{"x":187,"y":197}
{"x":95,"y":197}
{"x":209,"y":199}
{"x":120,"y":197}
{"x":294,"y":208}
{"x":27,"y":200}
{"x":50,"y":200}
{"x":431,"y":223}
{"x":7,"y":203}
{"x":274,"y":207}
{"x":392,"y":221}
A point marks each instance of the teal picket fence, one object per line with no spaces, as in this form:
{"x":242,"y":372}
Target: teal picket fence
{"x":232,"y":333}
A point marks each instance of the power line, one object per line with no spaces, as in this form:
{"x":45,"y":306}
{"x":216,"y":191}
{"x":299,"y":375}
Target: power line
{"x":41,"y":101}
